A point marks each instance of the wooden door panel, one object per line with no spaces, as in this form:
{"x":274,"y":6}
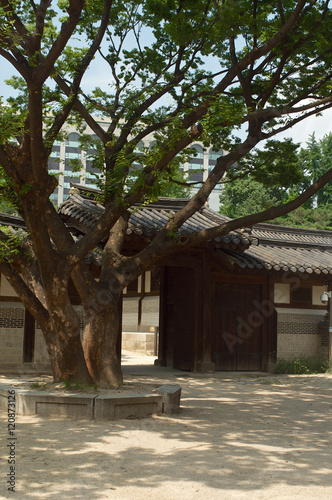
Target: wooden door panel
{"x":238,"y":327}
{"x":180,"y":322}
{"x":185,"y":319}
{"x":223,"y":355}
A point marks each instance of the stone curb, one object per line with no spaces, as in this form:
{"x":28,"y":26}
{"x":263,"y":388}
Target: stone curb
{"x":88,"y":406}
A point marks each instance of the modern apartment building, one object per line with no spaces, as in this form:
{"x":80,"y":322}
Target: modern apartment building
{"x":64,"y":152}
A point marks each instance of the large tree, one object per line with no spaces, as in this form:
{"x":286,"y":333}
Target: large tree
{"x":180,"y":70}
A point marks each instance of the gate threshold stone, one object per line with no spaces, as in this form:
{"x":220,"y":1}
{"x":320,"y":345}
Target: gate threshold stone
{"x":91,"y":406}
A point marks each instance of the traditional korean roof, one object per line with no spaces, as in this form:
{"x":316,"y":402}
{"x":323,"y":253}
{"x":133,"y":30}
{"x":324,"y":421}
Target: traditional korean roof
{"x":268,"y":247}
{"x":286,"y":249}
{"x":12,"y":221}
{"x":285,"y":235}
{"x":81,"y":212}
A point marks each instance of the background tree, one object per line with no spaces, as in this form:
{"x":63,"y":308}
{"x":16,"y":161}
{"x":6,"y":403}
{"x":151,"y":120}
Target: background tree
{"x":176,"y":188}
{"x":261,"y":179}
{"x":316,"y":159}
{"x":6,"y":206}
{"x":242,"y":196}
{"x":207,"y":69}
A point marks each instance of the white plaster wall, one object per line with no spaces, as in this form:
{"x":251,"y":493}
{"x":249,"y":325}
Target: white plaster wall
{"x":130,"y":311}
{"x":150,"y":311}
{"x":316,"y":293}
{"x":11,"y":332}
{"x":281,"y":293}
{"x":6,"y":289}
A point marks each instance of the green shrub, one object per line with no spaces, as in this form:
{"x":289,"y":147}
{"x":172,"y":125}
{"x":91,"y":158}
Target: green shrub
{"x":68,"y":384}
{"x":35,"y":385}
{"x":303,"y":366}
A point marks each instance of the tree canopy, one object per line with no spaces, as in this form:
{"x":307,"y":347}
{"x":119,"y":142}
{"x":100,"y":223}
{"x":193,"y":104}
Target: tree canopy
{"x":243,"y":195}
{"x":180,"y":71}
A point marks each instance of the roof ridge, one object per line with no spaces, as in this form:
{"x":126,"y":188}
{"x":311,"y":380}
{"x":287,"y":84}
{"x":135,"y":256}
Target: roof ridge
{"x":177,"y":203}
{"x":265,"y":226}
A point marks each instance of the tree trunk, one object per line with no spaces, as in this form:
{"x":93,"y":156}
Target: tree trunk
{"x":66,"y":357}
{"x":64,"y":346}
{"x":99,"y":344}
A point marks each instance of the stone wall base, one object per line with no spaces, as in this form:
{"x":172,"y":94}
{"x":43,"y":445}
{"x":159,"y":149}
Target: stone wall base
{"x":142,"y":342}
{"x":291,"y":346}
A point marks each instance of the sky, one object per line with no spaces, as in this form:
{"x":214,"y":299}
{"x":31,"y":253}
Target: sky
{"x":97,"y":76}
{"x":320,"y":125}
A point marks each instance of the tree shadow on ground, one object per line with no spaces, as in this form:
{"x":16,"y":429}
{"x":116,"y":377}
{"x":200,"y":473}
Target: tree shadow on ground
{"x":234,"y":436}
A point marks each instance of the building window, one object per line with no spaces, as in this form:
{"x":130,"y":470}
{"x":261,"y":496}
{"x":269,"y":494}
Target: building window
{"x":196,"y":161}
{"x":72,"y":156}
{"x":55,"y":153}
{"x":215,"y":154}
{"x":133,"y":286}
{"x":301,"y":295}
{"x":139,"y":148}
{"x":73,"y":140}
{"x":213,"y":157}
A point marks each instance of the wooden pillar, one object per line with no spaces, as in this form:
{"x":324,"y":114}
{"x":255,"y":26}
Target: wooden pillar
{"x":140,"y":300}
{"x":119,"y":339}
{"x":161,"y":361}
{"x":330,"y":326}
{"x":29,"y":338}
{"x":272,"y":331}
{"x":204,"y":285}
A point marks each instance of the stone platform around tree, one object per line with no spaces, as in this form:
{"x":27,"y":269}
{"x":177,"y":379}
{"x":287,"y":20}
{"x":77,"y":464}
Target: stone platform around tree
{"x":89,"y":406}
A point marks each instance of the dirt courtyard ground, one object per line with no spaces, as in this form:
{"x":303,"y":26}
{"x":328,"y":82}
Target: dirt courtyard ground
{"x":236,"y":437}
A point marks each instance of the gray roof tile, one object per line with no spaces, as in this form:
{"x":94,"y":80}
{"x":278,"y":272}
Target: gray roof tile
{"x":148,"y":220}
{"x":268,"y":247}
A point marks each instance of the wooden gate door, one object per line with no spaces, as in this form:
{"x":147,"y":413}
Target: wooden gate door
{"x":183,"y":345}
{"x":238,"y":327}
{"x":178,"y":317}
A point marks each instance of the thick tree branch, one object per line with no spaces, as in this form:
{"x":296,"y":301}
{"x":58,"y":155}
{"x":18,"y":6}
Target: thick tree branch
{"x":67,"y":28}
{"x":83,"y":280}
{"x":18,"y":62}
{"x":273,"y":112}
{"x":245,"y":84}
{"x":293,"y":122}
{"x":112,"y":212}
{"x":266,"y":215}
{"x":111,"y":254}
{"x":73,"y":91}
{"x":160,"y":247}
{"x":28,"y":298}
{"x":40,"y":24}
